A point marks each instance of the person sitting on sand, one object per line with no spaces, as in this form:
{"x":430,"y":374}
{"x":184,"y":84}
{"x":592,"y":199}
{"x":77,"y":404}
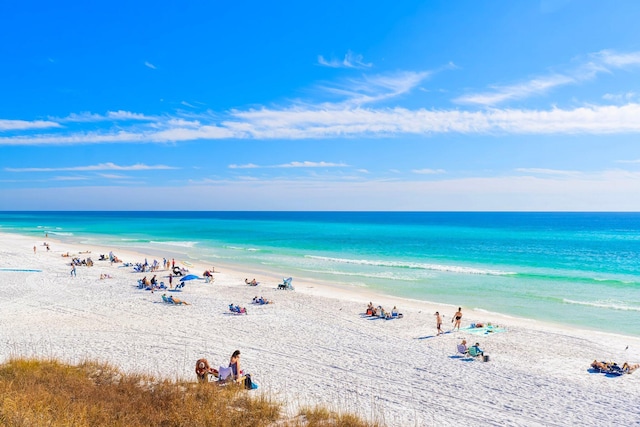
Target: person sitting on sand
{"x":234,"y":364}
{"x":476,"y":348}
{"x":203,"y":369}
{"x":462,"y":347}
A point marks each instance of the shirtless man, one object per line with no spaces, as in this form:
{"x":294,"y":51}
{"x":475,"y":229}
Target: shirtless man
{"x":457,"y":319}
{"x":438,"y":323}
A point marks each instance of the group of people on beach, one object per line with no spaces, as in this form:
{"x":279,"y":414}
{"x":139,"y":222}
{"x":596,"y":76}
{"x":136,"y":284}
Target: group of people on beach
{"x":233,"y":372}
{"x":613,"y":367}
{"x":261,"y":300}
{"x":456,"y":320}
{"x":379,"y":311}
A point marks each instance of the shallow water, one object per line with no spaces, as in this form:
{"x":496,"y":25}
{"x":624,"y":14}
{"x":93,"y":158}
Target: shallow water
{"x":579,"y":269}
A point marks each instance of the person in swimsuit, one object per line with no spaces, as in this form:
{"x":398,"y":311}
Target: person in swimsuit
{"x":457,"y":318}
{"x":234,"y":364}
{"x":438,"y":323}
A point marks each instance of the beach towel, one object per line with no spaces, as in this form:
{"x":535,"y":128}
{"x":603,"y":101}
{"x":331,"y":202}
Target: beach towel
{"x":485,"y":330}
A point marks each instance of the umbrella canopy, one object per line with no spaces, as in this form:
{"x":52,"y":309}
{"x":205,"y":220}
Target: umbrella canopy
{"x":189,"y":277}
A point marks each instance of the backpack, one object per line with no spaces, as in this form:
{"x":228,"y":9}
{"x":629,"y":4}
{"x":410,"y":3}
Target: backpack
{"x":247,"y":382}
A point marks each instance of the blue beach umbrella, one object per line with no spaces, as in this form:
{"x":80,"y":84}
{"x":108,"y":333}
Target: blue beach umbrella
{"x":189,"y":277}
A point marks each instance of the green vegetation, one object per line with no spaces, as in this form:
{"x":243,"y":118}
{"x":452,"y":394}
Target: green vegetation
{"x":49,"y":393}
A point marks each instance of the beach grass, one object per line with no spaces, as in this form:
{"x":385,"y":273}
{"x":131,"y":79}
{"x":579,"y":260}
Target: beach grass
{"x":37,"y":392}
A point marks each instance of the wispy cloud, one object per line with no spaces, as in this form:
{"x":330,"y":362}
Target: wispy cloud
{"x":150,"y":65}
{"x":247,"y":166}
{"x":428,"y":171}
{"x":339,"y":121}
{"x":628,"y":161}
{"x":6,"y":125}
{"x":620,"y":97}
{"x":370,"y":89}
{"x":120,"y":115}
{"x":69,"y":178}
{"x":549,"y":172}
{"x":596,"y":63}
{"x":305,"y":164}
{"x":350,"y":60}
{"x":311,"y":165}
{"x":98,"y":167}
{"x":113,"y":176}
{"x":517,"y":91}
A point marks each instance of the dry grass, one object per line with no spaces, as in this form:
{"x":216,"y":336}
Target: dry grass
{"x":49,"y":393}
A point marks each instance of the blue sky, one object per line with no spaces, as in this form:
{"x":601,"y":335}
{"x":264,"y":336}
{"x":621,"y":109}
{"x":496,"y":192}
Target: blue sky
{"x":332,"y":105}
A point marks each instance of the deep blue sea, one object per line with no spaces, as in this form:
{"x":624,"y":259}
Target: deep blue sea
{"x":579,"y":269}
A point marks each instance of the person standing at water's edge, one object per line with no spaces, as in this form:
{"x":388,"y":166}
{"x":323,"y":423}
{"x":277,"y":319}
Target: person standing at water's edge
{"x":457,"y":318}
{"x":438,"y":323}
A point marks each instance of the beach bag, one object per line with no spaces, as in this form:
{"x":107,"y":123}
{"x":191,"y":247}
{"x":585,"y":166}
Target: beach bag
{"x":247,"y":382}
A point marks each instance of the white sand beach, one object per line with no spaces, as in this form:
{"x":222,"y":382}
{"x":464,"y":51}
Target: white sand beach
{"x":313,"y":345}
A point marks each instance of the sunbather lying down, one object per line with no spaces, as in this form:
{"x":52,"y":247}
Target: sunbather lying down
{"x":172,"y":300}
{"x":613,"y":367}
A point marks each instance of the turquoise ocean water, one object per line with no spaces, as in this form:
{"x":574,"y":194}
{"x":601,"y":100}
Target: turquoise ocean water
{"x":578,"y":269}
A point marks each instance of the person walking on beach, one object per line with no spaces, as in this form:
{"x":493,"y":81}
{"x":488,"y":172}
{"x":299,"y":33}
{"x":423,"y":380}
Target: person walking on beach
{"x":457,"y":318}
{"x":73,"y":270}
{"x":34,"y":249}
{"x":439,"y":323}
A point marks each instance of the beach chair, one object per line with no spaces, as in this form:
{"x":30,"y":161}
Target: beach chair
{"x":474,"y":352}
{"x":462,"y":349}
{"x":225,"y":374}
{"x":286,"y":284}
{"x":165,"y":299}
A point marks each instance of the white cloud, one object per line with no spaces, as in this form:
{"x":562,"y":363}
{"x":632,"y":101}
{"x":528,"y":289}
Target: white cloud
{"x":599,"y":191}
{"x":620,"y":97}
{"x":311,"y":165}
{"x":150,"y":65}
{"x":617,"y":60}
{"x":350,"y":60}
{"x":600,"y":62}
{"x":26,"y":125}
{"x":120,"y":115}
{"x":113,"y":176}
{"x":338,"y":121}
{"x":428,"y":171}
{"x":305,"y":164}
{"x":518,"y":91}
{"x":542,"y":171}
{"x":247,"y":166}
{"x":69,"y":178}
{"x":370,"y":89}
{"x":98,"y":167}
